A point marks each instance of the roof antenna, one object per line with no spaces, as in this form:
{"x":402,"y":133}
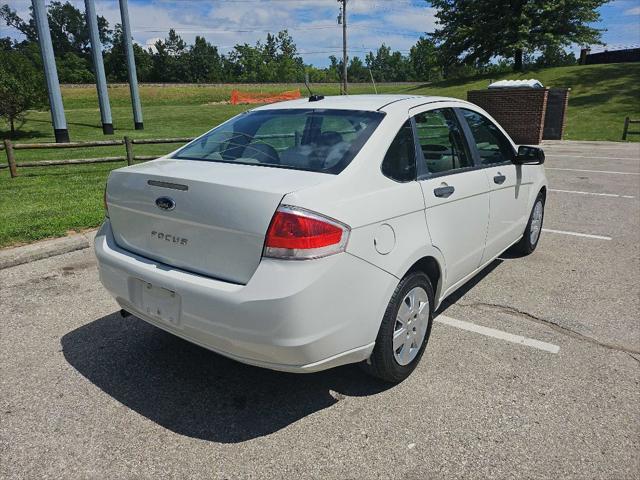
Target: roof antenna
{"x":373,"y":81}
{"x":312,"y":96}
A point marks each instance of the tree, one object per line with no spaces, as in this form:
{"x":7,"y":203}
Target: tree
{"x":245,"y":63}
{"x":335,"y":69}
{"x":204,"y":62}
{"x":289,"y":66}
{"x":170,"y":60}
{"x":480,"y":30}
{"x":68,"y":26}
{"x":69,"y":37}
{"x":424,"y":60}
{"x":554,"y":56}
{"x":115,"y":60}
{"x":21,"y":87}
{"x":357,"y":71}
{"x":270,"y":59}
{"x":74,"y":69}
{"x":387,"y":66}
{"x":275,"y":61}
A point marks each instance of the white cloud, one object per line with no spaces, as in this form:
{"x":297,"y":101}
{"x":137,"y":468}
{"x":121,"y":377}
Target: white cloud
{"x":150,"y":44}
{"x":312,"y":23}
{"x":416,"y":19}
{"x":632,"y":11}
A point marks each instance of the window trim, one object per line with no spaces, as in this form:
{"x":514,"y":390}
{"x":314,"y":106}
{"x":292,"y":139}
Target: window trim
{"x":421,"y":169}
{"x":477,"y":158}
{"x":377,"y":117}
{"x":415,"y":154}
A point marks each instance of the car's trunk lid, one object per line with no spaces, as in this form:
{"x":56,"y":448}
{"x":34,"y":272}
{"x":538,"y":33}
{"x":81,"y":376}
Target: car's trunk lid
{"x":217,"y":218}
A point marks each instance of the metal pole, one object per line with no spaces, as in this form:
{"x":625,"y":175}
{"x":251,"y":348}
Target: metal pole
{"x":98,"y":67}
{"x":344,"y":47}
{"x":131,"y":63}
{"x":51,"y":74}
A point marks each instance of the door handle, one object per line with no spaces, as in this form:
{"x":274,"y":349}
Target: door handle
{"x":443,"y":192}
{"x":499,"y":179}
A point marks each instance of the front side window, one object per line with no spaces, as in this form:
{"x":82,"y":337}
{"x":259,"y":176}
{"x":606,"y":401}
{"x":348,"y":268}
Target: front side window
{"x":400,"y":161}
{"x":492,"y":145}
{"x":306,"y":139}
{"x":441,"y":141}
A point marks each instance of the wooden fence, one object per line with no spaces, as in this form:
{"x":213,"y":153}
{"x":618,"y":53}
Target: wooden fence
{"x":626,"y":132}
{"x":10,"y":149}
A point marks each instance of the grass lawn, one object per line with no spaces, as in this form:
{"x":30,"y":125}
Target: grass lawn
{"x":51,"y":201}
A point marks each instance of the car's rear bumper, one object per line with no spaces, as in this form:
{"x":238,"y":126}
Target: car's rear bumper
{"x":298,"y":316}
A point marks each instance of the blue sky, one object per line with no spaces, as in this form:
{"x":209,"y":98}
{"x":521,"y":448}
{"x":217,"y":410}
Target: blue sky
{"x":312,"y":23}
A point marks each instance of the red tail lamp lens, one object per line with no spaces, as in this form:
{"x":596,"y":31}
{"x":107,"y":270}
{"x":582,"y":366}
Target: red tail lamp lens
{"x":289,"y":230}
{"x":296,"y":233}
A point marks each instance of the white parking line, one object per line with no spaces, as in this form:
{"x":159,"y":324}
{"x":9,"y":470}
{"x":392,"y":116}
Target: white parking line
{"x":576,"y":234}
{"x":592,"y":193}
{"x":589,"y":156}
{"x":492,"y":332}
{"x":591,"y":171}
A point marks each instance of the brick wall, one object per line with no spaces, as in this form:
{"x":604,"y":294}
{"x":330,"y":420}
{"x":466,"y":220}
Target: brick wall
{"x":521,"y":112}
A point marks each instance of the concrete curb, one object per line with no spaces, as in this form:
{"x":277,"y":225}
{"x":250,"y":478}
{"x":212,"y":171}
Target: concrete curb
{"x":12,"y":257}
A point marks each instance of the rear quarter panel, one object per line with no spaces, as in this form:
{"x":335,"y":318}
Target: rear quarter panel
{"x":387,"y":219}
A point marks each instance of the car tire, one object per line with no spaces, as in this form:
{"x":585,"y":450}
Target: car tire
{"x":531,"y":237}
{"x":395,"y":364}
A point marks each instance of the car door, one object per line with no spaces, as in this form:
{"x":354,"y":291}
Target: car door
{"x":509,"y":193}
{"x":456,"y":193}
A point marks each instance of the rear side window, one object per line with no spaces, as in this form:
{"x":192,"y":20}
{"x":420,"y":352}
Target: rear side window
{"x":493,"y":147}
{"x":441,"y":141}
{"x":305,"y":139}
{"x":400,"y":161}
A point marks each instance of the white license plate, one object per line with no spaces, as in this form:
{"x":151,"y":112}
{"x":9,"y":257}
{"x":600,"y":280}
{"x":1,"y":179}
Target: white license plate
{"x":161,"y":303}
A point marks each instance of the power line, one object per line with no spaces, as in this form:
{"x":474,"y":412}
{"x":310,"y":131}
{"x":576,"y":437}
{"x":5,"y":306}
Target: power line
{"x":398,"y":32}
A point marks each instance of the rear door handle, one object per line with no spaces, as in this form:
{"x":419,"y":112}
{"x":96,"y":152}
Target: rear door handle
{"x":443,"y":192}
{"x":499,"y":179}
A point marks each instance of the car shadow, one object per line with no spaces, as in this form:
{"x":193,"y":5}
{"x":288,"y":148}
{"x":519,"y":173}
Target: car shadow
{"x":479,"y":277}
{"x":194,"y":392}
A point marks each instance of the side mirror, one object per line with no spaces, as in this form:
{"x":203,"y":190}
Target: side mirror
{"x":529,"y":155}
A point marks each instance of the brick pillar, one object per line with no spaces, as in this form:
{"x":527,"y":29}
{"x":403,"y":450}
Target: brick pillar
{"x":520,"y":111}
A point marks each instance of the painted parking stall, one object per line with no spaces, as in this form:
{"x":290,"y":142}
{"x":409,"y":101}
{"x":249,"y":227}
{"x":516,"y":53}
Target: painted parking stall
{"x":532,"y":364}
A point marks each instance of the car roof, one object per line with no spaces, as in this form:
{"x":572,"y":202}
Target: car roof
{"x":360,"y":102}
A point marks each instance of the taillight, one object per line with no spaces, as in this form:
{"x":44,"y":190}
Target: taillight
{"x":298,"y":234}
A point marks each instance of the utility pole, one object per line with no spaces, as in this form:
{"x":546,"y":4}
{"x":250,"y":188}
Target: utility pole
{"x":50,"y":72}
{"x":342,"y":18}
{"x":98,"y":67}
{"x":131,"y":64}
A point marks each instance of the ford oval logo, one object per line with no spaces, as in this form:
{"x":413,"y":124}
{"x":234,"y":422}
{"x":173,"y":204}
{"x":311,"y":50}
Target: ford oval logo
{"x":166,"y":203}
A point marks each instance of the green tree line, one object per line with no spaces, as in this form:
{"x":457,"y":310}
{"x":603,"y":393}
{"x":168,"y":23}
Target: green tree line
{"x":275,"y":59}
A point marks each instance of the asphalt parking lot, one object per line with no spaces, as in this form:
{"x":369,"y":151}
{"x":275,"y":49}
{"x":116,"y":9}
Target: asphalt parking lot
{"x":532,"y":370}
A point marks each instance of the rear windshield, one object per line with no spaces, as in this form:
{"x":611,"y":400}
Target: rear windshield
{"x":305,"y":139}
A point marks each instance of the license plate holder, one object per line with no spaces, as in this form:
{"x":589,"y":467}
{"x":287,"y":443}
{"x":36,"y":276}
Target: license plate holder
{"x":161,"y":303}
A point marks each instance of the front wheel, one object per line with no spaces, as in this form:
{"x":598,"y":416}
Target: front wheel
{"x":404,"y":331}
{"x":529,"y":240}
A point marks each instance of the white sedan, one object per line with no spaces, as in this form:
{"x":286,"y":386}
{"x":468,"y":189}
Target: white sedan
{"x":303,"y":235}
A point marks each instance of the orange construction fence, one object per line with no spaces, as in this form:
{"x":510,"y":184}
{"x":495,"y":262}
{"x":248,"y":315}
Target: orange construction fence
{"x":238,"y":97}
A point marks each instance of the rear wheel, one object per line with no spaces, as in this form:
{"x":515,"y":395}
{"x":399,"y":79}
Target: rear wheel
{"x":404,"y":331}
{"x":529,"y":240}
